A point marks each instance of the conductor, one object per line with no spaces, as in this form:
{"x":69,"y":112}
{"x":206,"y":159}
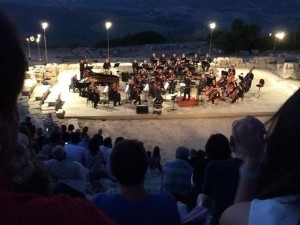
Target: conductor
{"x":187,"y":88}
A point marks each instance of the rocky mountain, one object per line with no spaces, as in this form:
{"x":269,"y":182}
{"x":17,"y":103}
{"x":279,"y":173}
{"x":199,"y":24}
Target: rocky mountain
{"x":82,"y":21}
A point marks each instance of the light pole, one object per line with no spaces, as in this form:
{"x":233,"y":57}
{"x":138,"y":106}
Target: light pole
{"x":279,"y":35}
{"x":28,"y":40}
{"x":38,"y":45}
{"x":108,"y":25}
{"x":44,"y":26}
{"x":212,"y":27}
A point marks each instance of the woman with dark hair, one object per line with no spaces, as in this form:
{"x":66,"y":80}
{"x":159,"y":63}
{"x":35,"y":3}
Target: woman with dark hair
{"x":277,"y":180}
{"x":134,"y":205}
{"x":157,"y":158}
{"x":217,"y":147}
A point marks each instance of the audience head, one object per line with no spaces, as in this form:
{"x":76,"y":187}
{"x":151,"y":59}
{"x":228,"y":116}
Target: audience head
{"x":107,"y":142}
{"x":75,"y":138}
{"x":129,"y":162}
{"x":55,"y":137}
{"x":94,"y":145}
{"x":71,"y":128}
{"x":39,"y":131}
{"x":85,"y":129}
{"x":63,"y":128}
{"x":182,"y":153}
{"x":59,"y":153}
{"x":217,"y":147}
{"x":119,"y":139}
{"x":156,"y":152}
{"x":100,"y":131}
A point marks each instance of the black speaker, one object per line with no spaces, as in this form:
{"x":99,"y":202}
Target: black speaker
{"x":142,"y":109}
{"x":125,"y":76}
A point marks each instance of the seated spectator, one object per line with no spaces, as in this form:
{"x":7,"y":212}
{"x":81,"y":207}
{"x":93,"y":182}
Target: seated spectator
{"x":39,"y":139}
{"x":65,"y":135}
{"x":269,"y":191}
{"x":49,"y":124}
{"x":99,"y":136}
{"x":177,"y":176}
{"x":106,"y":149}
{"x":94,"y":159}
{"x":15,"y":167}
{"x":74,"y":151}
{"x":47,"y":149}
{"x":118,"y":139}
{"x":27,"y":122}
{"x":133,"y":205}
{"x":157,"y":158}
{"x":66,"y":171}
{"x":84,"y":137}
{"x":216,"y":148}
{"x":221,"y":178}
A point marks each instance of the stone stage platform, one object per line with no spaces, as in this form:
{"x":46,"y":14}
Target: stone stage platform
{"x":273,"y":94}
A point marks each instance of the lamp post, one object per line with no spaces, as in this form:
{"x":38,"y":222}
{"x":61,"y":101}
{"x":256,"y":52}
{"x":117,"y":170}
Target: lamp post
{"x":44,"y":26}
{"x":38,"y":45}
{"x":212,"y":27}
{"x":108,"y":26}
{"x":279,"y":35}
{"x":28,"y":40}
{"x":28,"y":49}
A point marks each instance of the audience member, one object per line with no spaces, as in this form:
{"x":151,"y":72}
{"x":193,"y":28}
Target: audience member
{"x":99,"y":136}
{"x":106,"y":149}
{"x":65,"y":135}
{"x":47,"y":149}
{"x":276,"y":181}
{"x":74,"y":151}
{"x":177,"y":176}
{"x":119,"y":139}
{"x":15,"y":166}
{"x":27,"y":122}
{"x":221,"y":178}
{"x":217,"y":147}
{"x":157,"y":158}
{"x":133,"y":205}
{"x":94,"y":160}
{"x":49,"y":124}
{"x":39,"y":138}
{"x":66,"y":171}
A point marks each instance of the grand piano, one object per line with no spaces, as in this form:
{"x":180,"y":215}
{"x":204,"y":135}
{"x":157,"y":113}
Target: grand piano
{"x":100,"y":78}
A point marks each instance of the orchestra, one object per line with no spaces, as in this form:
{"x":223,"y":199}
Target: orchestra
{"x":162,"y":75}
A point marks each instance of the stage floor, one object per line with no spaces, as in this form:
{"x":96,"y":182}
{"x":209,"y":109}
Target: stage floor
{"x":273,"y":94}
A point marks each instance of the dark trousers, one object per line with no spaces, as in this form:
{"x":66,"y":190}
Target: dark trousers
{"x":187,"y":92}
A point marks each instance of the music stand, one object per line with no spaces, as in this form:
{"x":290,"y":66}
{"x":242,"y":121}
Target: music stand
{"x":173,"y":97}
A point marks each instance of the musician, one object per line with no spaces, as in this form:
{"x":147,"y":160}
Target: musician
{"x":114,"y":94}
{"x":106,"y":65}
{"x":153,"y":59}
{"x":173,"y":59}
{"x":202,"y":83}
{"x":82,"y":65}
{"x":163,"y":59}
{"x":231,"y":69}
{"x":247,"y":82}
{"x":187,"y":87}
{"x":135,"y":66}
{"x":145,"y":65}
{"x":134,"y":92}
{"x":196,"y":60}
{"x":171,"y":79}
{"x":214,"y":92}
{"x":183,"y":57}
{"x":94,"y":95}
{"x":205,"y":63}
